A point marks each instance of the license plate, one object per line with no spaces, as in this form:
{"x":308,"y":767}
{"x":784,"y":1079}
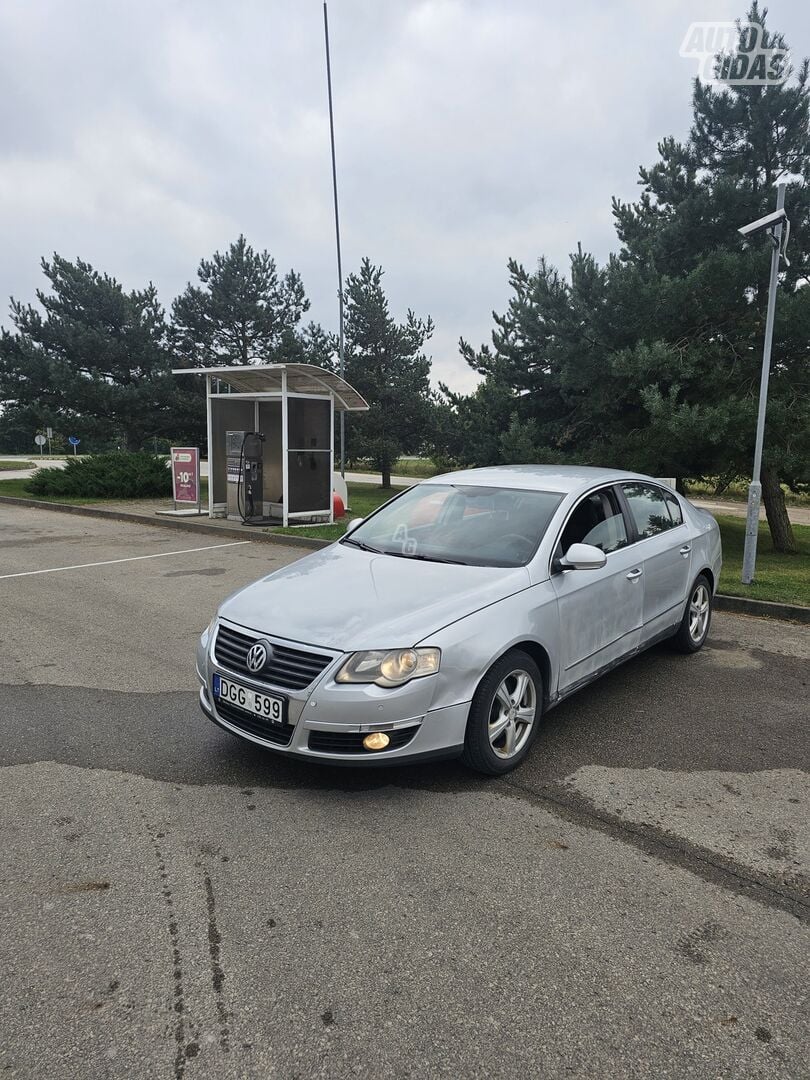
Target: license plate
{"x":251,"y":701}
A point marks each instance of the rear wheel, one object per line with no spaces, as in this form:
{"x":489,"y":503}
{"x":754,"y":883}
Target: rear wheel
{"x":504,"y":715}
{"x":697,"y":617}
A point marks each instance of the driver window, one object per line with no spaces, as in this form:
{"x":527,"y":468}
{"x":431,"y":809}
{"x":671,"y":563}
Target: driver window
{"x":596,"y":520}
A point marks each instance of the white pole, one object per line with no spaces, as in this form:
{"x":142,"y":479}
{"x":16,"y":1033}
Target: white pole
{"x":755,"y":487}
{"x":285,"y":478}
{"x":209,"y":423}
{"x":331,"y":456}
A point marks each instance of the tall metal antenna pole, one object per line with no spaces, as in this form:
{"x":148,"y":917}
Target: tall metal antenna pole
{"x":337,"y":239}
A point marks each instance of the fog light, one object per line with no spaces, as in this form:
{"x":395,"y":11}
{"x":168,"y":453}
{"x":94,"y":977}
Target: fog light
{"x":377,"y":740}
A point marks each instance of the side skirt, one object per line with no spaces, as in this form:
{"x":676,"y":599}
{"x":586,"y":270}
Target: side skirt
{"x":662,"y":635}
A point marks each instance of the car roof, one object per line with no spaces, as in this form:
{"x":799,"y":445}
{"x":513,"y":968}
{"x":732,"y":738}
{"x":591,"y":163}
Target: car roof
{"x":565,"y":479}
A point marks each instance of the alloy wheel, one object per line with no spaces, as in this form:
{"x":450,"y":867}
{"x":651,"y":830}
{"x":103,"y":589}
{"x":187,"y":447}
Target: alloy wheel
{"x":512,"y":714}
{"x":699,"y":613}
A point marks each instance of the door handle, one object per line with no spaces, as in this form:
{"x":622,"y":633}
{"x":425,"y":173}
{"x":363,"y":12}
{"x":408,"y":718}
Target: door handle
{"x":685,"y":550}
{"x":634,"y":574}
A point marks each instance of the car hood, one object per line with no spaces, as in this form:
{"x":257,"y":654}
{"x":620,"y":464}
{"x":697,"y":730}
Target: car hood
{"x":348,"y":599}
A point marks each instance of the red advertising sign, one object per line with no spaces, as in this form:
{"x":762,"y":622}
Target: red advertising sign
{"x":186,"y":474}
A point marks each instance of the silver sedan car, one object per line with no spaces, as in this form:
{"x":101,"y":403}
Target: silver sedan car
{"x":448,"y":621}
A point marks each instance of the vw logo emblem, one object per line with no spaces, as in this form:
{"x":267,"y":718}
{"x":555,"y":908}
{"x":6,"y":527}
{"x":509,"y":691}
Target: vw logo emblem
{"x":258,"y":655}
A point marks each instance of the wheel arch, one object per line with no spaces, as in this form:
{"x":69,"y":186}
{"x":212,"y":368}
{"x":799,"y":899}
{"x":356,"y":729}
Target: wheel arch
{"x":709,"y":573}
{"x":538,"y":653}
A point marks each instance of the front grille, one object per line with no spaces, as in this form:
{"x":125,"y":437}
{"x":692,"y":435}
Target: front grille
{"x":351,"y":742}
{"x":254,"y":725}
{"x":291,"y":669}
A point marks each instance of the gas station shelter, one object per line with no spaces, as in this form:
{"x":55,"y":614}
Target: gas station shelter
{"x":271,"y":440}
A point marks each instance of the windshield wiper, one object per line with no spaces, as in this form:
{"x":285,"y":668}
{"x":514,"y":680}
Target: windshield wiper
{"x":426,"y":558}
{"x":361,"y":545}
{"x":400,"y":554}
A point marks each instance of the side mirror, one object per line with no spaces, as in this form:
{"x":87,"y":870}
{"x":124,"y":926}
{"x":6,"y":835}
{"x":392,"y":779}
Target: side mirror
{"x":583,"y":557}
{"x":353,"y":525}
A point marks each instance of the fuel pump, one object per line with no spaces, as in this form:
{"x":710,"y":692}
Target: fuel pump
{"x":250,"y":494}
{"x":245,"y":460}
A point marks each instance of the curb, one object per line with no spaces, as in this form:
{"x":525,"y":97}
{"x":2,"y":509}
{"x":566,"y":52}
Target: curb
{"x":738,"y":605}
{"x":765,"y":609}
{"x":184,"y":525}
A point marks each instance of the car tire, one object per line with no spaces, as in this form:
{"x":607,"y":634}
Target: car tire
{"x":694,"y":629}
{"x":498,"y":736}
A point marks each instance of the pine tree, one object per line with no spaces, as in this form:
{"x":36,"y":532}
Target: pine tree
{"x":92,"y":360}
{"x":710,"y":288}
{"x":385,"y":363}
{"x":242,"y":312}
{"x":652,"y":362}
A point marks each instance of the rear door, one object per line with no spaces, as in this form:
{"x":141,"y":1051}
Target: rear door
{"x":600,"y":611}
{"x":662,"y":543}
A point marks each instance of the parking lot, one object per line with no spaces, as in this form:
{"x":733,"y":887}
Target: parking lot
{"x":633,"y":902}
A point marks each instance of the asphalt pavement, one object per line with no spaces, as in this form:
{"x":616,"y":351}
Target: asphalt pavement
{"x":633,"y":902}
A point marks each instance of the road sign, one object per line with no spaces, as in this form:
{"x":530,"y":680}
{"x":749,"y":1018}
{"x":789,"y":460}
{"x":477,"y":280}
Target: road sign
{"x":186,"y":475}
{"x":49,"y":432}
{"x":74,"y":442}
{"x":40,"y":440}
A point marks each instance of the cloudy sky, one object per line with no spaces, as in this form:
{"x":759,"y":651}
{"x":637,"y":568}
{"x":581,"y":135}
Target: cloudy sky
{"x":142,"y":136}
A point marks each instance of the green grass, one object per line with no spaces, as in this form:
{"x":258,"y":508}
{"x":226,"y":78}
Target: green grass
{"x":17,"y":489}
{"x":419,"y":469}
{"x":11,"y":466}
{"x":363,"y":498}
{"x":737,"y":491}
{"x":781,"y":578}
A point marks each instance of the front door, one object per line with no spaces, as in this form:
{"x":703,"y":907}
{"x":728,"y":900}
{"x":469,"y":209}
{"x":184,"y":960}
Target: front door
{"x":600,"y":611}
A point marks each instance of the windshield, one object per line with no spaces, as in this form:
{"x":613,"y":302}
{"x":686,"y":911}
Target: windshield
{"x":474,"y":526}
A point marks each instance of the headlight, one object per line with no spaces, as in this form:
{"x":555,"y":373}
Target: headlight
{"x":391,"y":668}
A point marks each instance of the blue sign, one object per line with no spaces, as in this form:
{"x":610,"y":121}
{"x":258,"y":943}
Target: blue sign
{"x":73,"y":440}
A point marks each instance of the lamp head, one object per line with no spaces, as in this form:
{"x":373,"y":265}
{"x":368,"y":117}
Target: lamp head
{"x":763,"y":223}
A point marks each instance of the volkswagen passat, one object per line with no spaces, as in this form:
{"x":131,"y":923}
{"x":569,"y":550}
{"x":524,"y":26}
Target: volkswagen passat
{"x":448,"y":621}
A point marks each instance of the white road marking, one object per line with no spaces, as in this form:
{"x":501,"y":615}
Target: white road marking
{"x":132,"y":558}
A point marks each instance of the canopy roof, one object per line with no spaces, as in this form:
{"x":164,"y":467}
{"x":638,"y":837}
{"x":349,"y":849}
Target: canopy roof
{"x":301,"y":379}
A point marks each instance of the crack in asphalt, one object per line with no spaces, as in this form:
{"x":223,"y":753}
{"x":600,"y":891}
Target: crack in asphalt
{"x":658,"y":843}
{"x":184,"y":1049}
{"x":217,"y":973}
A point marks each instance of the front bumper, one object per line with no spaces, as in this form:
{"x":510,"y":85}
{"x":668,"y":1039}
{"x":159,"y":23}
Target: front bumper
{"x":439,"y":734}
{"x":328,"y":721}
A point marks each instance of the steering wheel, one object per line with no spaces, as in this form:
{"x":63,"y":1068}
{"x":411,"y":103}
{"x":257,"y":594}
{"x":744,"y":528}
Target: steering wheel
{"x":518,"y":537}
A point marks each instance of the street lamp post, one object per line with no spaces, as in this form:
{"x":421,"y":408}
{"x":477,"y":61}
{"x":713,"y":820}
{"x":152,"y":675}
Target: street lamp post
{"x":755,"y":487}
{"x":341,"y":357}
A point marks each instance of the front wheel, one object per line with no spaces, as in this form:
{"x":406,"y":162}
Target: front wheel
{"x":697,"y":617}
{"x":504,"y":715}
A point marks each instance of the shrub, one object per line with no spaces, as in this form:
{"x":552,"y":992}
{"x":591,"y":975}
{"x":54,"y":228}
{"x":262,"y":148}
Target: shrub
{"x":118,"y":476}
{"x":443,"y":463}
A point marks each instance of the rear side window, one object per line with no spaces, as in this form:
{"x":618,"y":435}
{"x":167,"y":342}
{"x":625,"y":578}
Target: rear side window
{"x":648,"y":508}
{"x":674,"y":509}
